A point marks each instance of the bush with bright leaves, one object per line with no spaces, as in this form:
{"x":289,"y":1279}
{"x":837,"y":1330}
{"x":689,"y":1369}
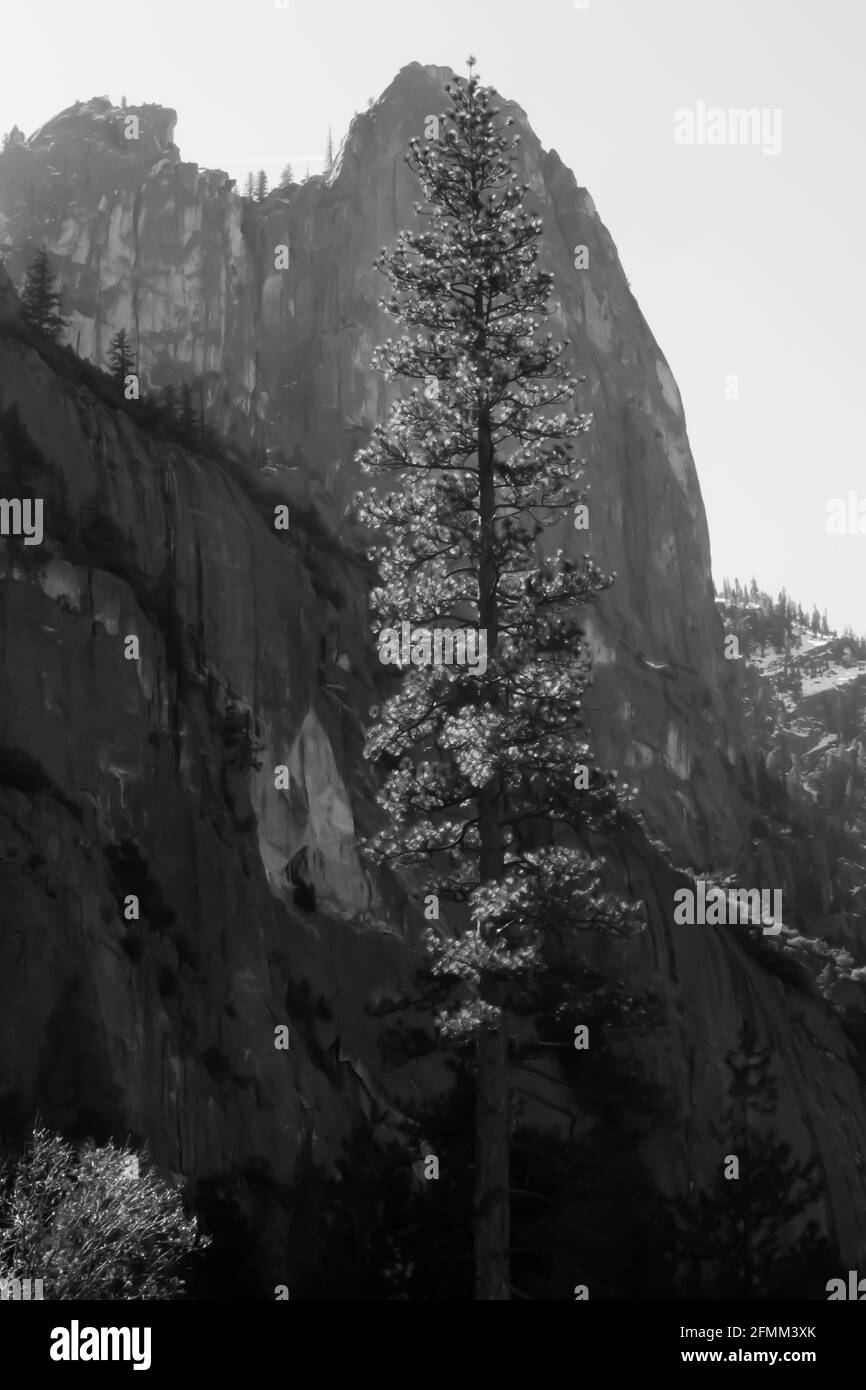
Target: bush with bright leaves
{"x":93,"y":1222}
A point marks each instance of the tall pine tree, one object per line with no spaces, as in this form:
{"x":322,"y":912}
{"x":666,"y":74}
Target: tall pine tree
{"x":120,"y":356}
{"x":40,"y":301}
{"x":495,"y":797}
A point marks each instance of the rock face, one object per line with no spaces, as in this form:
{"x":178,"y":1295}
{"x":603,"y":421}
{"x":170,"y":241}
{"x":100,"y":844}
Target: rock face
{"x":155,"y":776}
{"x":805,"y":703}
{"x":147,"y":242}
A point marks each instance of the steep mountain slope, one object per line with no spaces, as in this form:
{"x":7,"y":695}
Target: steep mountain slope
{"x":804,"y":698}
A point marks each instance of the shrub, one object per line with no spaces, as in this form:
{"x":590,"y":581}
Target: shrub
{"x":93,"y":1222}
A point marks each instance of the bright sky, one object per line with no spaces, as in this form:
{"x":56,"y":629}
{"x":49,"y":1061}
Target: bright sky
{"x":747,"y":265}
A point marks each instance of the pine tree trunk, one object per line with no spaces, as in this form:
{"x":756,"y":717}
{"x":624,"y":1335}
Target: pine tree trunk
{"x":492,"y":1211}
{"x":492,"y":1178}
{"x":747,"y":1223}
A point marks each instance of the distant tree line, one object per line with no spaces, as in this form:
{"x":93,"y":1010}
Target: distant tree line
{"x":173,"y":413}
{"x":256,"y":185}
{"x":176,"y":413}
{"x":782,"y":614}
{"x":779,"y":622}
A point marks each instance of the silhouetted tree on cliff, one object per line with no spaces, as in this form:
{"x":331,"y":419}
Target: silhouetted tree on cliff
{"x":40,"y":301}
{"x":120,"y":356}
{"x":735,"y":1239}
{"x":492,"y":791}
{"x":261,"y":186}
